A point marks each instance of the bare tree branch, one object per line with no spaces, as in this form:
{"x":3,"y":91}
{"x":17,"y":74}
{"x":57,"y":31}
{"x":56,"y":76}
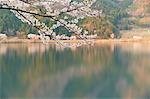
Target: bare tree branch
{"x":77,"y":11}
{"x":37,"y":14}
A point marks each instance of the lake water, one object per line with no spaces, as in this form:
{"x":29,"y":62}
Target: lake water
{"x":106,"y":71}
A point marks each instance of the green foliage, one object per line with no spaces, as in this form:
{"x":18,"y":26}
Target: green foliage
{"x":115,"y":11}
{"x":124,"y":24}
{"x":10,"y":24}
{"x":62,"y":30}
{"x":99,"y":26}
{"x":47,"y":21}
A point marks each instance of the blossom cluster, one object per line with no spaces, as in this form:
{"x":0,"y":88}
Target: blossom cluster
{"x":54,"y":9}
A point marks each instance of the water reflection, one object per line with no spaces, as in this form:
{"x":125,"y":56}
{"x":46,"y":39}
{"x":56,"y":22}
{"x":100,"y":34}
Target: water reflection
{"x":3,"y":49}
{"x":99,"y":71}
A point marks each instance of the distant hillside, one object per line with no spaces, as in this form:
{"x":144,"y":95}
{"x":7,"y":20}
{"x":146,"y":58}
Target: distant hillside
{"x":140,"y":13}
{"x":141,"y":7}
{"x":10,"y":24}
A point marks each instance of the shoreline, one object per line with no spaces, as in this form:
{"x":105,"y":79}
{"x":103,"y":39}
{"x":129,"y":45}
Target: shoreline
{"x":16,"y":40}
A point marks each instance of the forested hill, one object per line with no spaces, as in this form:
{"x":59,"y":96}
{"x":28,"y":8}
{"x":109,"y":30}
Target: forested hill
{"x":117,"y":15}
{"x":139,"y":12}
{"x":141,"y":7}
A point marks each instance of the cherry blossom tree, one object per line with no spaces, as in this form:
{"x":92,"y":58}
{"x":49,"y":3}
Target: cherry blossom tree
{"x":29,"y":10}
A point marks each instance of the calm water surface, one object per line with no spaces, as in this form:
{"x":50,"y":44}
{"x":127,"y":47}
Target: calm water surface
{"x":51,"y":72}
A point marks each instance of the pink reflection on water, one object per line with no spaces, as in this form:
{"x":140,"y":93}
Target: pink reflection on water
{"x":3,"y":49}
{"x":37,"y":48}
